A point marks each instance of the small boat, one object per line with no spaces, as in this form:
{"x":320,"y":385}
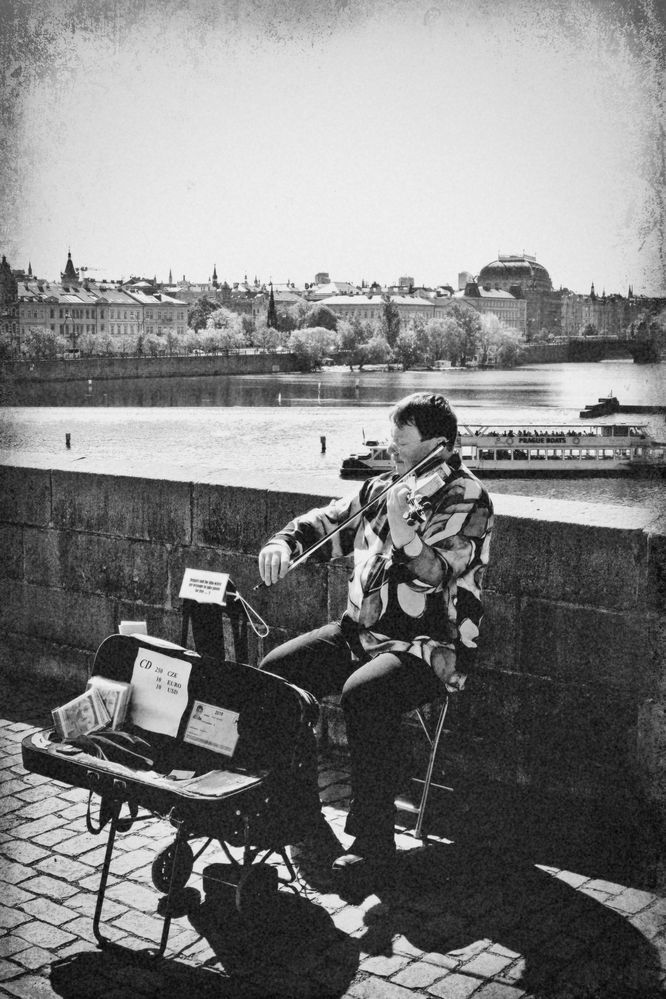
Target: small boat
{"x":539,"y":451}
{"x":602,"y":407}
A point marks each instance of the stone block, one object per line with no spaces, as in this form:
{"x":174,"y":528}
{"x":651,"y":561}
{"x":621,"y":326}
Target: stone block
{"x":92,"y":563}
{"x":298,"y":603}
{"x":25,"y":495}
{"x":577,"y":563}
{"x":498,"y":639}
{"x":651,"y":749}
{"x":656,"y":579}
{"x":124,"y":506}
{"x":571,"y":738}
{"x":229,"y":517}
{"x":11,"y":545}
{"x":64,"y":618}
{"x":584,"y":645}
{"x":338,"y":578}
{"x":25,"y":655}
{"x":283,"y":506}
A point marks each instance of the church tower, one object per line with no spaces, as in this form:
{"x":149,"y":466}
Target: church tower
{"x":69,"y":275}
{"x":8,"y":285}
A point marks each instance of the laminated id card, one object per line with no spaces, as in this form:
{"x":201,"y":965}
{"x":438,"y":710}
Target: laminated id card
{"x":212,"y":727}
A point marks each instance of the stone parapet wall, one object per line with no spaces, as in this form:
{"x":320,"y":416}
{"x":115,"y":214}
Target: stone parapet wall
{"x":570,"y":693}
{"x":190,"y":366}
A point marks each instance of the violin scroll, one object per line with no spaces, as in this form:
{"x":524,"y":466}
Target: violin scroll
{"x":417,"y":509}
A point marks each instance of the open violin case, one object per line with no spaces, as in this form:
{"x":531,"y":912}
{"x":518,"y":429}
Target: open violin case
{"x":210,"y":744}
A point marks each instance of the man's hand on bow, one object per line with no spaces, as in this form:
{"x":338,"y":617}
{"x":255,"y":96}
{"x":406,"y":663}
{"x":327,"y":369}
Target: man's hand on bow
{"x":274,"y":560}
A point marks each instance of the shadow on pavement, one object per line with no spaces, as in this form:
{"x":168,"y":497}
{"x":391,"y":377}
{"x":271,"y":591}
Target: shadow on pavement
{"x":616,"y":838}
{"x":448,"y":898}
{"x":298,"y":953}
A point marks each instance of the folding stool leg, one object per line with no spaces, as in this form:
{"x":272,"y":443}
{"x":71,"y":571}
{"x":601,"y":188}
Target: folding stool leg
{"x":116,"y":805}
{"x":433,"y":741}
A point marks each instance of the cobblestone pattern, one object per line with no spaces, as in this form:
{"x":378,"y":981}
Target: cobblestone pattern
{"x":461,"y":920}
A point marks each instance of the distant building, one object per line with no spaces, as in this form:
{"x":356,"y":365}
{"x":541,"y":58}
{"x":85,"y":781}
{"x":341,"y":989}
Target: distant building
{"x":321,"y":290}
{"x":509,"y":309}
{"x":525,"y":278}
{"x":8,"y":302}
{"x":74,"y":308}
{"x":367,"y":307}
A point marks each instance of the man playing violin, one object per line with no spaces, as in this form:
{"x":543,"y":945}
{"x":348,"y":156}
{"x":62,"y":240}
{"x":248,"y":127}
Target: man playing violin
{"x":412,"y":617}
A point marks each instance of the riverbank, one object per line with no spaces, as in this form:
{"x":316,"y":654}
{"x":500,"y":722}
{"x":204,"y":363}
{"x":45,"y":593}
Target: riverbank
{"x":111,"y":368}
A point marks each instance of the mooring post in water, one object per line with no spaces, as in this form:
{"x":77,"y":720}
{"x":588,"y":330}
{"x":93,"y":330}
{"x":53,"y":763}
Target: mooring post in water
{"x":323,"y":444}
{"x":68,"y":440}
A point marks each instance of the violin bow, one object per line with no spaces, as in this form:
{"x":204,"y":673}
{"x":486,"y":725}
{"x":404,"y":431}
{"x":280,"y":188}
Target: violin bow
{"x":336,"y":530}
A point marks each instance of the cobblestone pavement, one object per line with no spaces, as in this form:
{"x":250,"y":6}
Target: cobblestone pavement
{"x":504,"y":904}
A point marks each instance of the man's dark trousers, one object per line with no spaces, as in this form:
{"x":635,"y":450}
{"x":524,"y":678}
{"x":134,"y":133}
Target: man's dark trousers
{"x":375,"y":693}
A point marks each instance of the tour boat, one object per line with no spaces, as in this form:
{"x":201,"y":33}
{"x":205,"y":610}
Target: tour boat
{"x":540,"y":451}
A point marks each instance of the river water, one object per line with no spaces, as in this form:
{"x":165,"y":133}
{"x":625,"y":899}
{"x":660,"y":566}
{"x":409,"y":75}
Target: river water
{"x":268,"y":429}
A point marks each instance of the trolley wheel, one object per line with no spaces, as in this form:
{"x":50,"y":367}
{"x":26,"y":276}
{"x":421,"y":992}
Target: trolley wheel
{"x":257,"y":893}
{"x":163,"y":872}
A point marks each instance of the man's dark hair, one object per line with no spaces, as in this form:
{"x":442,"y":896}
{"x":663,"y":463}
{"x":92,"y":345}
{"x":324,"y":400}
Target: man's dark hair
{"x":430,"y":414}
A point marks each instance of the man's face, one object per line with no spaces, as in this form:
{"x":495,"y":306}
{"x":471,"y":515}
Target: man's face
{"x":407,"y":448}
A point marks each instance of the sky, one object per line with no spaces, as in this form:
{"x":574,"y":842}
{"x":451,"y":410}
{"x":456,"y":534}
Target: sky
{"x":368,"y":140}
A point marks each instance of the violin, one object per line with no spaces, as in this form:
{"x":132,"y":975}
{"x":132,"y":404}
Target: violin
{"x":418,"y":504}
{"x":417,"y":509}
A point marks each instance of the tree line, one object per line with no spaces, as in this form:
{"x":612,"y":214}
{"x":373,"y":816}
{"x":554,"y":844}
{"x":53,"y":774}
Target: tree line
{"x":316,"y":336}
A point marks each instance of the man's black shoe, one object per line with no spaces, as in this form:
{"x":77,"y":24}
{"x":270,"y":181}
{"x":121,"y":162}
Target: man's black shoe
{"x":314,"y":855}
{"x":367,"y":862}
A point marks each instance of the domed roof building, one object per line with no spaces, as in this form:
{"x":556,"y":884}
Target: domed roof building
{"x":516,"y":271}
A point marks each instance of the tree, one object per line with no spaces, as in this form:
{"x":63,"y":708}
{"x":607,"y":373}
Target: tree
{"x":589,"y":330}
{"x":88,"y":344}
{"x":311,"y":345}
{"x":500,"y":345}
{"x":6,"y":349}
{"x":464,"y":333}
{"x":198,"y":313}
{"x":266,"y":337}
{"x":40,"y":342}
{"x":406,"y":348}
{"x":390,"y":321}
{"x":319,"y":315}
{"x":225,"y":319}
{"x":271,"y":315}
{"x":376,"y":350}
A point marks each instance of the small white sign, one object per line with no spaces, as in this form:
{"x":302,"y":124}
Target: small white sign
{"x":213,"y":728}
{"x":205,"y":587}
{"x":159,"y":691}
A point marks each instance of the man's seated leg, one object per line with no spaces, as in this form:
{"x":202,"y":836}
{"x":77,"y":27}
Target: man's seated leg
{"x":318,"y":661}
{"x":374,"y":699}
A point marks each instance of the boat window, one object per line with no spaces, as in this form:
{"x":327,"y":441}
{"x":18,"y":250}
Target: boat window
{"x":606,"y":453}
{"x":538,"y":454}
{"x":519,"y":455}
{"x":554,"y":454}
{"x":589,"y":453}
{"x":486,"y":454}
{"x":571,"y":454}
{"x":621,"y":431}
{"x":622,"y":452}
{"x":639,"y":452}
{"x":468,"y":452}
{"x":607,"y":431}
{"x":503,"y":454}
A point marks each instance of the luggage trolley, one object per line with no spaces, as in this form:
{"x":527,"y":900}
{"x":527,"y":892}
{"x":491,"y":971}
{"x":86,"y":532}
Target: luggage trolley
{"x":211,"y":745}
